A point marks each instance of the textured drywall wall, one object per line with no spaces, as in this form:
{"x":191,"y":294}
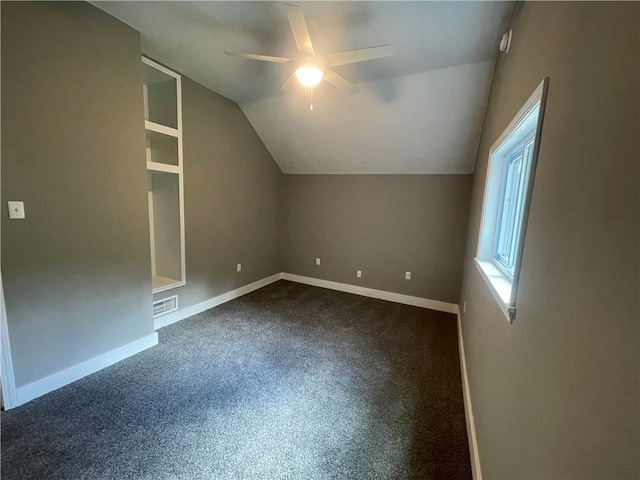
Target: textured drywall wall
{"x":383,"y":225}
{"x":231,"y":198}
{"x":555,"y":395}
{"x":76,"y":271}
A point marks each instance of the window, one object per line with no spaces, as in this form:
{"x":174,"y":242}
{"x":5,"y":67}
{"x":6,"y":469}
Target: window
{"x":514,"y":180}
{"x":510,"y":175}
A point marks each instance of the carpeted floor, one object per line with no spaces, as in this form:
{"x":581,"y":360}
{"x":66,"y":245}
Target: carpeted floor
{"x":287,"y":382}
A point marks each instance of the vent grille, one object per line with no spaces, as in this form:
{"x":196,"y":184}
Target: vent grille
{"x":164,"y":306}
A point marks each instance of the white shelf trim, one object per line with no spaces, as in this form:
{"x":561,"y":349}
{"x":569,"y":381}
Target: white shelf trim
{"x":169,"y":286}
{"x":163,"y":167}
{"x":157,"y":66}
{"x":175,"y":169}
{"x":156,"y":127}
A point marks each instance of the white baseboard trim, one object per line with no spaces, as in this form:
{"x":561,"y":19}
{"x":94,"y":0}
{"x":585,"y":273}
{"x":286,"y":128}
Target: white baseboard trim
{"x":183,"y":313}
{"x":64,"y":377}
{"x":373,"y":293}
{"x":8,"y":382}
{"x":468,"y":410}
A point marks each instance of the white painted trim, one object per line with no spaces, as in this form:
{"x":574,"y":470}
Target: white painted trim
{"x":183,"y":246}
{"x":152,"y":228}
{"x":163,"y":167}
{"x":492,"y":186}
{"x":370,"y":292}
{"x":214,"y":302}
{"x":158,"y":128}
{"x":9,"y":394}
{"x":177,"y":284}
{"x":176,"y":308}
{"x":468,"y":410}
{"x":145,"y":101}
{"x":485,"y":268}
{"x":534,"y":98}
{"x":157,"y":66}
{"x":177,"y":170}
{"x":342,"y":287}
{"x":64,"y":377}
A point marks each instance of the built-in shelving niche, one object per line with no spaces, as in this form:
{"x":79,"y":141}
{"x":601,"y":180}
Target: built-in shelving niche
{"x":163,"y":131}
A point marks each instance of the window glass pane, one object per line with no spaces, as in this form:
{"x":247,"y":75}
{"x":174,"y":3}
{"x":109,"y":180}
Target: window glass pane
{"x":511,"y":205}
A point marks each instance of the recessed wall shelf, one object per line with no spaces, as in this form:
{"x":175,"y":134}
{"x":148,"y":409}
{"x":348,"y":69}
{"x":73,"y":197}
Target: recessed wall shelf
{"x":162,"y":94}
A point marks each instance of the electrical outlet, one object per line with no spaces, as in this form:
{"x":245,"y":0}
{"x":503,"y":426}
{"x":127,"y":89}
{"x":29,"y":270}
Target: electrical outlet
{"x":239,"y":267}
{"x":16,"y":210}
{"x":359,"y":273}
{"x":407,"y":275}
{"x":317,"y":261}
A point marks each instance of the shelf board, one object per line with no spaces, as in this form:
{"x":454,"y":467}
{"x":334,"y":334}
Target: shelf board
{"x":155,"y":135}
{"x":156,"y":127}
{"x":163,"y":167}
{"x":160,"y":283}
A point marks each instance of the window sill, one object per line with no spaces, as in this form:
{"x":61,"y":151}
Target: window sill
{"x":499,"y":284}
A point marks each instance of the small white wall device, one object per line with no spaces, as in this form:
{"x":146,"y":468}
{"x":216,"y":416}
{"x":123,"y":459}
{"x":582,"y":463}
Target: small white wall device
{"x":16,"y":210}
{"x":505,"y":42}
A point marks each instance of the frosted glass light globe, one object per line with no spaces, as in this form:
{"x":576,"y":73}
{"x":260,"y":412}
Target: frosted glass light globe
{"x":309,"y":76}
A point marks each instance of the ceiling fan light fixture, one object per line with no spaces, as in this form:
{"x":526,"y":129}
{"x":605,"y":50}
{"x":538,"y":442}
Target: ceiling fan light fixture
{"x":309,"y":76}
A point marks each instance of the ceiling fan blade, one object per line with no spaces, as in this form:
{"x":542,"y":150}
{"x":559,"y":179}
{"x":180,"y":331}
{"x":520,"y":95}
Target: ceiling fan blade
{"x":264,"y":58}
{"x":299,"y":29}
{"x":336,"y":80}
{"x":286,"y":84}
{"x":360,"y":55}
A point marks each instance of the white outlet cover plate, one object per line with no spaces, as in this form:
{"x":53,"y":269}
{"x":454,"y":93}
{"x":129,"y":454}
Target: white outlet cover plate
{"x":16,"y":210}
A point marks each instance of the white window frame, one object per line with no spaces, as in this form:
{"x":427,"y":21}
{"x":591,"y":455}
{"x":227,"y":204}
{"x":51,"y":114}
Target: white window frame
{"x":526,"y":125}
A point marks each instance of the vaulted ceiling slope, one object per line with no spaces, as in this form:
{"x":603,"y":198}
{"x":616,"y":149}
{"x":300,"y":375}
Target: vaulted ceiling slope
{"x":418,"y":111}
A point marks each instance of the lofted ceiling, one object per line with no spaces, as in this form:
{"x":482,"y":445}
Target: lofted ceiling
{"x":418,"y":111}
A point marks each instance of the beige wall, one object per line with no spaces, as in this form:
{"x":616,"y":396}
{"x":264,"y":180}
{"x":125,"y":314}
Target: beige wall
{"x":555,"y":395}
{"x":76,"y":271}
{"x":384,"y":225}
{"x":232,"y":198}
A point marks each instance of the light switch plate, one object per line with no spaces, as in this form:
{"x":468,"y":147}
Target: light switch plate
{"x":16,"y":210}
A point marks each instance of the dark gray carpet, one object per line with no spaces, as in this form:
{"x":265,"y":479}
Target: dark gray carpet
{"x":288,"y":382}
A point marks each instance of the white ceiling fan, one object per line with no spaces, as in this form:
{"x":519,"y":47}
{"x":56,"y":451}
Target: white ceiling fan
{"x":312,"y":68}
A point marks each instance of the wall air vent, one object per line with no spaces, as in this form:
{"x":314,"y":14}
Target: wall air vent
{"x":164,"y":306}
